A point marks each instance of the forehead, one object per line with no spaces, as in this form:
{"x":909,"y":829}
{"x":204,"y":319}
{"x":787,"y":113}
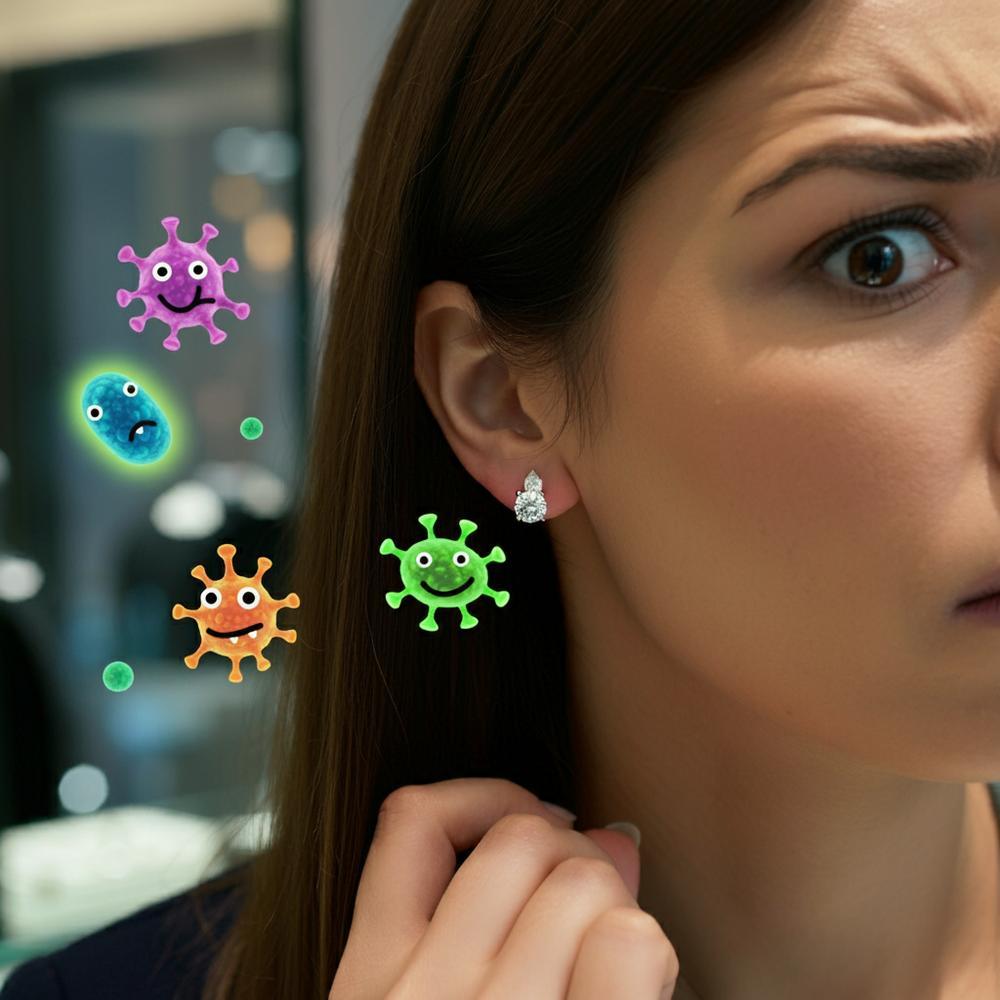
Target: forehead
{"x":850,"y":69}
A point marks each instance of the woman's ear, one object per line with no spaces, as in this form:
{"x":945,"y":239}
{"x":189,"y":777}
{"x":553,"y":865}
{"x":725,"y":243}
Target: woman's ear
{"x":494,"y":422}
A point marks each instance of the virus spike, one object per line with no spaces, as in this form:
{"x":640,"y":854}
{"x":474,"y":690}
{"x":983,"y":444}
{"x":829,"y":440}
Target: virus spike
{"x":124,"y":296}
{"x":263,"y":565}
{"x":230,"y":265}
{"x":226,"y":552}
{"x":235,"y":677}
{"x":240,"y":309}
{"x":501,"y":597}
{"x":428,"y":521}
{"x":208,"y":232}
{"x":289,"y":635}
{"x":199,"y":573}
{"x":128,"y":256}
{"x":388,"y":545}
{"x":215,"y":335}
{"x":170,"y":224}
{"x":497,"y":555}
{"x":291,"y":601}
{"x":180,"y":611}
{"x":194,"y":659}
{"x":468,"y":527}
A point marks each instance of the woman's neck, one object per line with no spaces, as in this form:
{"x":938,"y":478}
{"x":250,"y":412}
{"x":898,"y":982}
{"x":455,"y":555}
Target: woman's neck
{"x":777,"y":872}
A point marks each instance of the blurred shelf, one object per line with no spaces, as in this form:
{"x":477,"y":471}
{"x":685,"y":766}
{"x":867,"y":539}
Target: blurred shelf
{"x":42,"y":31}
{"x":61,"y":879}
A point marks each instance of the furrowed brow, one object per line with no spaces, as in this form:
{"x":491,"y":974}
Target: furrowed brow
{"x":958,"y":160}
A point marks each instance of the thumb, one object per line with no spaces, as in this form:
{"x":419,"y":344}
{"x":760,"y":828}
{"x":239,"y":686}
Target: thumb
{"x":623,"y":852}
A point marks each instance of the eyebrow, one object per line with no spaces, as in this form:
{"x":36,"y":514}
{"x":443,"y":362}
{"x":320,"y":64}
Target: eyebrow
{"x":958,"y":160}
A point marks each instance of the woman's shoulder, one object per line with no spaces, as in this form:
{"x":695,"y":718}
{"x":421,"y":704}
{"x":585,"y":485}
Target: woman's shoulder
{"x":161,"y":952}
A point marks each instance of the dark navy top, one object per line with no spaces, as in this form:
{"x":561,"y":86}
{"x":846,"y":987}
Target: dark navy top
{"x":158,"y":953}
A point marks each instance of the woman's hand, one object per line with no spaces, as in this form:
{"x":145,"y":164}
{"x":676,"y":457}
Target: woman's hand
{"x":537,"y":911}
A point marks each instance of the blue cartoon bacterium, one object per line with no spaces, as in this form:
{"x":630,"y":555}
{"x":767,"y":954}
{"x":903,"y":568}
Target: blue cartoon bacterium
{"x":444,"y":573}
{"x":125,"y":418}
{"x":181,"y":285}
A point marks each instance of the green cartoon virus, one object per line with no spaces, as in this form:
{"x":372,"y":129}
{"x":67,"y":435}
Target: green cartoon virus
{"x":444,"y":573}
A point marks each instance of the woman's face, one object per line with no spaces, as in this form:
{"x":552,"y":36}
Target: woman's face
{"x":800,"y":477}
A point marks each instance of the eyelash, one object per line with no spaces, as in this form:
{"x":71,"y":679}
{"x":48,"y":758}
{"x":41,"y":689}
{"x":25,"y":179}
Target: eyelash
{"x":917,"y":215}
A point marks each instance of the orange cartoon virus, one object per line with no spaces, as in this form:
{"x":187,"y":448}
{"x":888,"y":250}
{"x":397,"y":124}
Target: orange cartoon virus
{"x":237,"y":617}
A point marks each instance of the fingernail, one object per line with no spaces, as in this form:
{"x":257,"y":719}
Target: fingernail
{"x":625,"y":827}
{"x":558,"y":810}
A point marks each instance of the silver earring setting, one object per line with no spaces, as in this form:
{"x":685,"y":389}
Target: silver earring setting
{"x":530,"y":504}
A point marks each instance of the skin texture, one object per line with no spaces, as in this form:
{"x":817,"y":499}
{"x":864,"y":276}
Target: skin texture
{"x":762,"y":552}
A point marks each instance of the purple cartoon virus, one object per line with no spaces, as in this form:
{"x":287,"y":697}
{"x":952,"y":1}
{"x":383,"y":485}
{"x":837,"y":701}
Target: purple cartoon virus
{"x":181,"y":284}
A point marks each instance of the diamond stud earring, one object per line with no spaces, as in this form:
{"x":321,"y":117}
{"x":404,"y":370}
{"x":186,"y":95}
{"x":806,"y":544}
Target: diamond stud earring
{"x":530,"y":504}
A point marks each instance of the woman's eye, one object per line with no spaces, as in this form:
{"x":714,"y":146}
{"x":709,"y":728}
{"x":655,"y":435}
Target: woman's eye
{"x":885,"y":260}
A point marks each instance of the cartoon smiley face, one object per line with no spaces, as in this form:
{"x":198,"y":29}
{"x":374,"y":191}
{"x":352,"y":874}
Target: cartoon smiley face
{"x":232,"y":604}
{"x":182,"y":280}
{"x":441,"y":567}
{"x":125,"y":417}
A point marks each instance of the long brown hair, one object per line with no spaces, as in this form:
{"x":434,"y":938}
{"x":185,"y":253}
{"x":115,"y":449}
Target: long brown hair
{"x":501,"y":142}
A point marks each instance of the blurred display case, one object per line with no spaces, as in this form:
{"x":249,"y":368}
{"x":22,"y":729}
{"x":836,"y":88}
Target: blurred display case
{"x":111,"y":800}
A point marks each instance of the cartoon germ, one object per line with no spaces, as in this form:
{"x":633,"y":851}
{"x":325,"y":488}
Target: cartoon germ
{"x":118,"y":676}
{"x":252,"y":428}
{"x":125,"y":417}
{"x":181,"y":284}
{"x":237,"y":616}
{"x":444,"y":573}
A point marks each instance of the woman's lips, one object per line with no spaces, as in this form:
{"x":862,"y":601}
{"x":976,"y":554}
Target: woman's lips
{"x":986,"y":608}
{"x":987,"y":586}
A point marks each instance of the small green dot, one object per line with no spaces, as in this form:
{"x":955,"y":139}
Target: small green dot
{"x":118,"y":676}
{"x":252,"y":428}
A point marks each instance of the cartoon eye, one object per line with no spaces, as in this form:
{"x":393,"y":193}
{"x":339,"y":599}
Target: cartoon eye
{"x":95,"y":412}
{"x":162,"y":271}
{"x":197,"y":269}
{"x":460,"y":558}
{"x":424,"y":559}
{"x":248,"y":597}
{"x":130,"y":388}
{"x":210,"y":598}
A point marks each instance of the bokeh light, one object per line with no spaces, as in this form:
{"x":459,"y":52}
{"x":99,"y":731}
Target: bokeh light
{"x":188,"y":510}
{"x":262,"y":493}
{"x":83,"y":789}
{"x":20,"y":578}
{"x":268,"y":241}
{"x":237,"y":150}
{"x":277,"y":156}
{"x":236,"y":196}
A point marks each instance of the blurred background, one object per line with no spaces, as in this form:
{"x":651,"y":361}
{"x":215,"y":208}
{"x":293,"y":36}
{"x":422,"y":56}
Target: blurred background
{"x":114,"y":115}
